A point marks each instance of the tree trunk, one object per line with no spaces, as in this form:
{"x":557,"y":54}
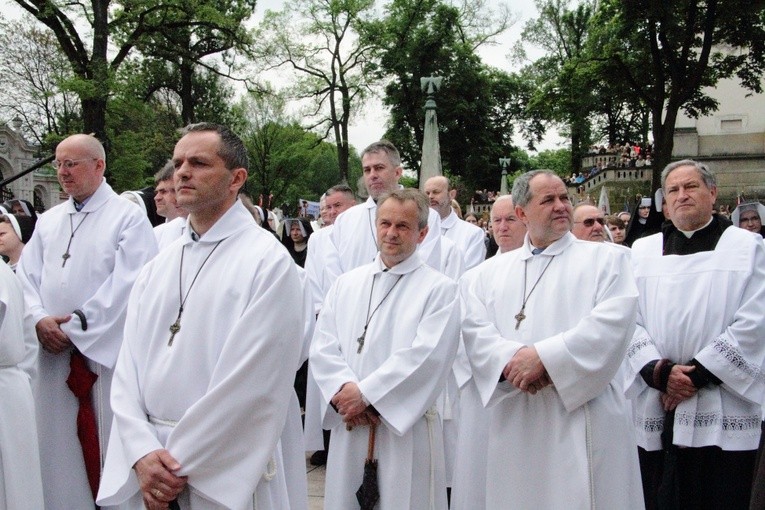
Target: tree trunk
{"x":664,"y":142}
{"x":187,"y":92}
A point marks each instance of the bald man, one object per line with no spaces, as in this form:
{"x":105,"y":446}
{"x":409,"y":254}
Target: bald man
{"x":468,"y":238}
{"x":77,"y":272}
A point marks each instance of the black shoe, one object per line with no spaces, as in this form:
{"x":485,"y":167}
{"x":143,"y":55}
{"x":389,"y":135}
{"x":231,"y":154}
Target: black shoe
{"x":319,"y":458}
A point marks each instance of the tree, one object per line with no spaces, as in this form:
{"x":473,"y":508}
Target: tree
{"x":193,"y":34}
{"x":668,"y":52}
{"x":92,"y":63}
{"x":477,"y":106}
{"x":317,"y":40}
{"x":559,"y":161}
{"x":32,"y":68}
{"x":565,"y":77}
{"x":287,"y":162}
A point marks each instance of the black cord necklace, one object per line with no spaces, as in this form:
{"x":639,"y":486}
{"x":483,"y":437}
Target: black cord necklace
{"x":520,"y":315}
{"x":66,"y":256}
{"x":360,"y":339}
{"x":175,"y":327}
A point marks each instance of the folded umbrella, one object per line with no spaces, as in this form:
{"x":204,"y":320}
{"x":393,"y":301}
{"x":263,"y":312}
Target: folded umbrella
{"x":369,"y":493}
{"x":80,"y":382}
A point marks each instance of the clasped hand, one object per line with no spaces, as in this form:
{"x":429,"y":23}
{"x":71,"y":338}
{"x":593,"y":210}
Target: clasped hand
{"x":351,"y":407}
{"x":679,"y":387}
{"x":526,"y":372}
{"x":159,"y":485}
{"x":50,"y":335}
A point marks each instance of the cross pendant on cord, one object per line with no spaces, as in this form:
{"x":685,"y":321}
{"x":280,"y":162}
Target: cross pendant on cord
{"x":174,"y":328}
{"x":66,"y":257}
{"x":360,"y":341}
{"x":518,"y":318}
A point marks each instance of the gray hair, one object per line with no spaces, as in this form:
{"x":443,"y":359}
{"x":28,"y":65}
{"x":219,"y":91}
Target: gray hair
{"x":500,"y":200}
{"x":706,"y":174}
{"x":341,"y":188}
{"x":583,"y":203}
{"x":166,"y":173}
{"x":388,"y":148}
{"x":521,"y":188}
{"x":410,"y":195}
{"x":232,"y":150}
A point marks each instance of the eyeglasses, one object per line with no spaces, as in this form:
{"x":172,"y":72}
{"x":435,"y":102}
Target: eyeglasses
{"x":644,"y":207}
{"x":591,"y":221}
{"x":70,"y":163}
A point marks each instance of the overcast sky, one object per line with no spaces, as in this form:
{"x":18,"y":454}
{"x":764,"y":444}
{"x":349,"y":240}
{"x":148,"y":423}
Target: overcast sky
{"x":370,"y":124}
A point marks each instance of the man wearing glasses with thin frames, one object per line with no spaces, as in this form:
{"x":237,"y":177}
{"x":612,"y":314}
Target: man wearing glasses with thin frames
{"x":77,"y":271}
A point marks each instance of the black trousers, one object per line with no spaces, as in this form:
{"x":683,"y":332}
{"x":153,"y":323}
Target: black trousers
{"x":706,"y":478}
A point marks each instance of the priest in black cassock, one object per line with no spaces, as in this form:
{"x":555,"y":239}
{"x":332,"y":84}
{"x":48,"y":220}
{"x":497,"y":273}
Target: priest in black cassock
{"x":696,"y":360}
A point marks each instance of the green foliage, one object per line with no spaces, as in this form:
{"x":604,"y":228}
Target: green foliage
{"x":98,"y":36}
{"x":564,"y":77}
{"x":478,"y":107}
{"x":559,"y":161}
{"x":32,"y":71}
{"x":289,"y":163}
{"x":668,"y":52}
{"x":409,"y":181}
{"x":317,"y":41}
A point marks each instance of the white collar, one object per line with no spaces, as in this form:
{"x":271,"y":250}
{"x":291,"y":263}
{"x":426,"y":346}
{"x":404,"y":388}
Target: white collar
{"x":236,"y":218}
{"x":689,"y":233}
{"x":449,"y":221}
{"x":405,"y":266}
{"x":555,"y":248}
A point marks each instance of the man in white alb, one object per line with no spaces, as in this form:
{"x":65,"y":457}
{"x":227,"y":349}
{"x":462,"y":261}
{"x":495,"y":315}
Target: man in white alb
{"x":201,"y":388}
{"x":546,"y":327}
{"x":167,"y":207}
{"x":336,"y":200}
{"x":468,"y":490}
{"x":77,"y":272}
{"x":384,"y":343}
{"x":468,"y":238}
{"x":353,"y":237}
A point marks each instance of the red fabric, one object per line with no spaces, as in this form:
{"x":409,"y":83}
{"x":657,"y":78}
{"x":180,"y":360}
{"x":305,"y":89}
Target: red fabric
{"x":80,"y":381}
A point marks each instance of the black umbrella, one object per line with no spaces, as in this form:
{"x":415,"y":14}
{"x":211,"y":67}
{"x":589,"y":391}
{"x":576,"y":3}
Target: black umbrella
{"x":369,"y":493}
{"x":668,"y":494}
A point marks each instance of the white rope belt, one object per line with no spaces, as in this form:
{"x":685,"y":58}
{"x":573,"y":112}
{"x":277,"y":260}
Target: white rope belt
{"x":431,"y":416}
{"x":270,"y":468}
{"x":160,"y":421}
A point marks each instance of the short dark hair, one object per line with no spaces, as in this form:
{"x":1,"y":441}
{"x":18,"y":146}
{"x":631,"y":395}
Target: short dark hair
{"x":410,"y":195}
{"x":615,"y":221}
{"x":166,"y":173}
{"x":388,"y":148}
{"x":232,"y":150}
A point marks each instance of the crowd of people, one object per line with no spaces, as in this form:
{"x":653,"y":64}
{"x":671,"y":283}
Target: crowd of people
{"x":577,"y":360}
